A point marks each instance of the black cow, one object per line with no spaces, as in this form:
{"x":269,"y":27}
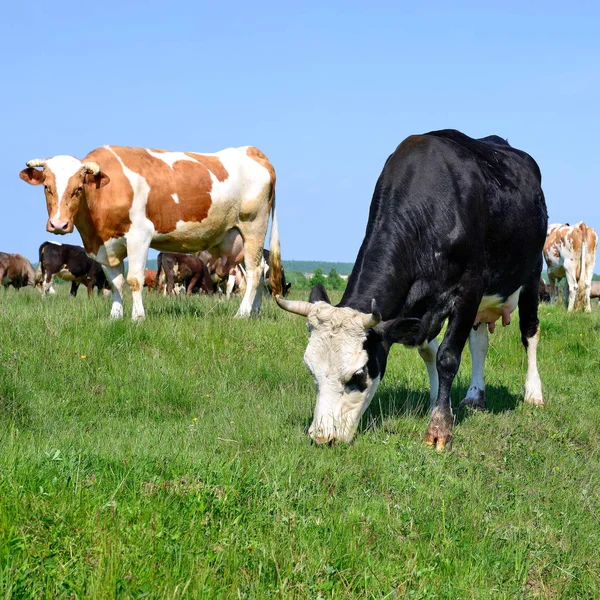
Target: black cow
{"x":70,"y":263}
{"x":188,"y":270}
{"x":455,"y":231}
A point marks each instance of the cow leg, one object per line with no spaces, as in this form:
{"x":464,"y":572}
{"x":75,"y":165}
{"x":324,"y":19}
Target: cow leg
{"x":230,"y":284}
{"x":47,"y":283}
{"x":572,"y":285}
{"x":553,"y":288}
{"x":193,"y":282}
{"x":530,"y":335}
{"x":428,"y":353}
{"x":74,"y":288}
{"x":252,"y":260}
{"x":478,"y":344}
{"x":137,"y":252}
{"x":460,"y":323}
{"x":117,"y":281}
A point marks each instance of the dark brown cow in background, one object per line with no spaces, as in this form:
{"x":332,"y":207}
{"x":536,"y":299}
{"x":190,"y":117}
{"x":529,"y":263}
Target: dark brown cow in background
{"x":190,"y":271}
{"x":16,"y":270}
{"x":70,"y":263}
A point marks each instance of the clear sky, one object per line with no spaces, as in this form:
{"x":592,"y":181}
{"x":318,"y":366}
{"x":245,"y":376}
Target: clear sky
{"x":326,"y":89}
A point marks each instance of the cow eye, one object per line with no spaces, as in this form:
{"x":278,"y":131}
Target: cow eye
{"x":78,"y":191}
{"x":357,"y":381}
{"x":48,"y":190}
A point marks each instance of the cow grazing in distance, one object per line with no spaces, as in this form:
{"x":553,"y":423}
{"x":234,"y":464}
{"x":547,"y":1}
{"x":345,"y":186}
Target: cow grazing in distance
{"x":224,"y":264}
{"x":570,"y":251}
{"x":70,"y":263}
{"x":125,"y":200}
{"x":455,"y":231}
{"x":189,"y":271}
{"x":16,"y":270}
{"x":544,"y":291}
{"x":150,"y":279}
{"x":595,"y":289}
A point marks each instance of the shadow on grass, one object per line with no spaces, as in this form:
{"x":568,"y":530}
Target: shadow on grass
{"x":398,"y":402}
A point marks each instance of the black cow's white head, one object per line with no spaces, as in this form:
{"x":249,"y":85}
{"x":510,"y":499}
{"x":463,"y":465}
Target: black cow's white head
{"x":346,"y":354}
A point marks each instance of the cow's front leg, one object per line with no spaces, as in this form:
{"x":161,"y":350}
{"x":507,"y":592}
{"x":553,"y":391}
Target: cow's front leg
{"x":439,"y":430}
{"x":428,"y":353}
{"x":117,"y":281}
{"x":478,"y":343}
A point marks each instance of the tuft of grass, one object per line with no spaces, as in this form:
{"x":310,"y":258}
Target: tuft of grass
{"x":169,"y":459}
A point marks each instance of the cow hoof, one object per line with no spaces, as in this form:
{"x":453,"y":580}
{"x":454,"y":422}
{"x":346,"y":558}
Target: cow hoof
{"x":439,"y":430}
{"x":475,"y":400}
{"x":535,"y":401}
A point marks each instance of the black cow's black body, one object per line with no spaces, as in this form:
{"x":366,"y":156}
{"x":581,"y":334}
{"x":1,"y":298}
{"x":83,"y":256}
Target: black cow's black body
{"x":71,"y":263}
{"x":452,"y":219}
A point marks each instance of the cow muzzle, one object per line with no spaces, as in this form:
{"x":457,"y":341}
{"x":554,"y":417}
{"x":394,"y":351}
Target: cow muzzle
{"x":327,"y":430}
{"x":59,"y":227}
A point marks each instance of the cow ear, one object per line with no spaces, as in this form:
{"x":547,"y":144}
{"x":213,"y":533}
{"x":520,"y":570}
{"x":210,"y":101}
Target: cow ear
{"x":32,"y":176}
{"x":401,"y":331}
{"x":98,"y":181}
{"x":318,"y":294}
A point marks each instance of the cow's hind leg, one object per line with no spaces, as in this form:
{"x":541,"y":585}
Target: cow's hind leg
{"x":478,"y":343}
{"x":253,"y":246}
{"x":530,"y":335}
{"x":117,"y":281}
{"x":137,"y":252}
{"x":460,"y":323}
{"x":74,"y":288}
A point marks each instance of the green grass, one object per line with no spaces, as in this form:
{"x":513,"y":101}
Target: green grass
{"x":169,"y":459}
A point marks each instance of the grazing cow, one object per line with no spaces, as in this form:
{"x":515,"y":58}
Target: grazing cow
{"x":455,"y":231}
{"x":544,"y":291}
{"x":189,"y":271}
{"x":125,"y":200}
{"x":224,"y":265}
{"x":15,"y":270}
{"x":595,"y":289}
{"x":150,"y":279}
{"x":70,"y":263}
{"x":570,"y":251}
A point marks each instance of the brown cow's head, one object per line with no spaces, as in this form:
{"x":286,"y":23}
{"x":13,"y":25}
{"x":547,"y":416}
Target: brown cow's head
{"x":65,"y":180}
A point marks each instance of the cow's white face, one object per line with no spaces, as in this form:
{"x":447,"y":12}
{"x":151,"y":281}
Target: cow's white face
{"x":64,"y":179}
{"x":347,"y":355}
{"x":346,"y":376}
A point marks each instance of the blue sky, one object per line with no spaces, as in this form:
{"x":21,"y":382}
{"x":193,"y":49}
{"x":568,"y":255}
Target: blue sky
{"x":326,"y":90}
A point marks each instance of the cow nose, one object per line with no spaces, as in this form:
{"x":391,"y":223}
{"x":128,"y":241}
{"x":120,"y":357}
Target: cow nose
{"x":59,"y":225}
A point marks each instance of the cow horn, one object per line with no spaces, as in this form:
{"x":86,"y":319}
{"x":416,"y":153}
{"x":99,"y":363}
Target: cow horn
{"x":374,"y":318}
{"x":92,"y":167}
{"x":299,"y":307}
{"x":36,"y":162}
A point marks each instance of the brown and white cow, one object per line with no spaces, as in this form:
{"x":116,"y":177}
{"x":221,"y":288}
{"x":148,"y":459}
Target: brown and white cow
{"x":15,"y":270}
{"x":570,"y":251}
{"x":125,"y":200}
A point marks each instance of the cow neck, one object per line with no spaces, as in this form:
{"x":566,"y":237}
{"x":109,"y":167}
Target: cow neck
{"x":376,"y":276}
{"x":87,"y":229}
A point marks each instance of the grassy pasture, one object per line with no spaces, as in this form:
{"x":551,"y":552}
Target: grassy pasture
{"x":169,"y":460}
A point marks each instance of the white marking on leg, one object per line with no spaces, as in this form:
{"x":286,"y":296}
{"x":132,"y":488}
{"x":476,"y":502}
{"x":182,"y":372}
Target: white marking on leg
{"x":428,"y":353}
{"x":117,"y":281}
{"x":533,"y":383}
{"x":478,"y":344}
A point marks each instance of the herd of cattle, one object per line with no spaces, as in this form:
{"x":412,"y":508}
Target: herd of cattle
{"x":456,"y":232}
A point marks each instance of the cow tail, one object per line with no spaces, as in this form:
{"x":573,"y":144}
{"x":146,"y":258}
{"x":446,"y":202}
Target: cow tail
{"x":581,"y":300}
{"x":275,"y":276}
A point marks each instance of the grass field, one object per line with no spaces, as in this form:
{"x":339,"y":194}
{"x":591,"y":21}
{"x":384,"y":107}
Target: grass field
{"x":169,"y":459}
